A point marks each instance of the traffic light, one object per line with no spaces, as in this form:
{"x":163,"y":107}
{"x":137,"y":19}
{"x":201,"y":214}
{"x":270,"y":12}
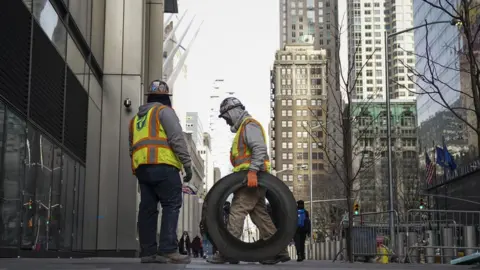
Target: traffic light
{"x":29,"y":204}
{"x":422,"y":204}
{"x":356,"y":210}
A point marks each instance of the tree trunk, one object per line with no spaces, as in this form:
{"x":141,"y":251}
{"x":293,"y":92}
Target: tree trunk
{"x":347,"y":157}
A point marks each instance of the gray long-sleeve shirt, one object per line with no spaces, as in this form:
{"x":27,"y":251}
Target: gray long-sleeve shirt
{"x":253,"y":138}
{"x":256,"y":142}
{"x":171,"y":124}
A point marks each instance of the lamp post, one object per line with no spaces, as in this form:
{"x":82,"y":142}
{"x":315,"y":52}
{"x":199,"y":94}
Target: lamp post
{"x":310,"y":176}
{"x":389,"y":120}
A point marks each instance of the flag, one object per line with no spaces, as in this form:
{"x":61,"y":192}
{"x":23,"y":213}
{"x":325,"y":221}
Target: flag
{"x":189,"y":189}
{"x":449,"y":161}
{"x":429,"y":169}
{"x":440,"y":156}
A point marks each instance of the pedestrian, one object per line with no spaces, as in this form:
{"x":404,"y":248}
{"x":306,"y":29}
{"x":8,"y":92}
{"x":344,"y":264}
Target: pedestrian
{"x":184,"y":245}
{"x":159,"y":152}
{"x":197,"y":247}
{"x":203,"y":230}
{"x":303,"y":230}
{"x":248,"y":152}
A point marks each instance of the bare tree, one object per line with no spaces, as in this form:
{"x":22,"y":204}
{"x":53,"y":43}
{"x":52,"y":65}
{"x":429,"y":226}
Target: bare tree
{"x":429,"y":81}
{"x":411,"y":186}
{"x":348,"y":138}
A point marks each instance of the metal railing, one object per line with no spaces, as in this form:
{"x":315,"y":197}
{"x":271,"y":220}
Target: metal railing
{"x":425,"y":236}
{"x":438,"y":236}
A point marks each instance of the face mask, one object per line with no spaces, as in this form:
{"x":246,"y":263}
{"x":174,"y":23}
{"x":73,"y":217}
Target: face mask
{"x":229,"y":122}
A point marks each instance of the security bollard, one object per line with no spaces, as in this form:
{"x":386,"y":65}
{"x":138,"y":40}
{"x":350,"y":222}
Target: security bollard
{"x":470,"y":239}
{"x":322,"y":251}
{"x":448,"y":253}
{"x":412,"y":247}
{"x":333,"y":248}
{"x":338,"y":248}
{"x":429,"y":250}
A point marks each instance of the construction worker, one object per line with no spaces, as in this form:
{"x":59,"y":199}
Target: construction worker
{"x":248,"y":152}
{"x":159,"y":151}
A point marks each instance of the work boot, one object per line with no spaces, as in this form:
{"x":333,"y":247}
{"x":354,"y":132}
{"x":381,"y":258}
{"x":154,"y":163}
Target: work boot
{"x":281,"y":257}
{"x":175,"y":258}
{"x":153,"y":259}
{"x":301,"y":258}
{"x":219,"y":259}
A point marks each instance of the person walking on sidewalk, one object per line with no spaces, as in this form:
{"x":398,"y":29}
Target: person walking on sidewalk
{"x":159,"y":152}
{"x":248,"y":152}
{"x":303,"y":230}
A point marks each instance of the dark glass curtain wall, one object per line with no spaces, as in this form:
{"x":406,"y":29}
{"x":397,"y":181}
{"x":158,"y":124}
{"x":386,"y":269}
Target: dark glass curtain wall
{"x":43,"y":129}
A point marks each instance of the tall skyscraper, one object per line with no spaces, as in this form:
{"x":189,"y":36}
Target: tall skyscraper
{"x":319,"y":23}
{"x":308,"y":21}
{"x":368,"y":21}
{"x":299,"y":95}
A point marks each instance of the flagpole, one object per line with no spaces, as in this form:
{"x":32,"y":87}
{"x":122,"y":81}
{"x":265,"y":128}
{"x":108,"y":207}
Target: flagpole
{"x":437,"y":216}
{"x":445,"y":152}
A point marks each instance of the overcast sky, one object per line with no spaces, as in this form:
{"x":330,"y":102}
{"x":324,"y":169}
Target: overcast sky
{"x":237,"y":43}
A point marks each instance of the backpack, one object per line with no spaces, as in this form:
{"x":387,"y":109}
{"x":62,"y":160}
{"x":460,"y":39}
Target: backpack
{"x":301,"y":218}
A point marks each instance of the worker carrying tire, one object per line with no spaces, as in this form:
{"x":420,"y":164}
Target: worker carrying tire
{"x":159,"y":152}
{"x":248,"y":152}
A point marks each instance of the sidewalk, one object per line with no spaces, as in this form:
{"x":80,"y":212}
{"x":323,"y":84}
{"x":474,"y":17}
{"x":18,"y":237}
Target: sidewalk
{"x":131,"y":264}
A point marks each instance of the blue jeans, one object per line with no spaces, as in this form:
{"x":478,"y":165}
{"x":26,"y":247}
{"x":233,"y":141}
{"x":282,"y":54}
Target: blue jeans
{"x":158,"y":183}
{"x":207,"y":246}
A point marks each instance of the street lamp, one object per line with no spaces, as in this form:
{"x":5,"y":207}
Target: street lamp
{"x":310,"y":176}
{"x":387,"y":36}
{"x":281,"y":171}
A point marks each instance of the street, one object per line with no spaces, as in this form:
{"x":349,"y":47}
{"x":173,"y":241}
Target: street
{"x":130,"y":264}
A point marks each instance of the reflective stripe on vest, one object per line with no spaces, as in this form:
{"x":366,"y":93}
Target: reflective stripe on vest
{"x":240,"y":154}
{"x":149,"y":141}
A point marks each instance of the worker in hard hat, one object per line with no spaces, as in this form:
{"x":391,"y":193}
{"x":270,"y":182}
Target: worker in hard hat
{"x":248,"y":152}
{"x":159,"y":152}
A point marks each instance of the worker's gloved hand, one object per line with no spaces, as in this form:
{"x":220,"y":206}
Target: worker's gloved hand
{"x":252,"y":180}
{"x":188,"y":174}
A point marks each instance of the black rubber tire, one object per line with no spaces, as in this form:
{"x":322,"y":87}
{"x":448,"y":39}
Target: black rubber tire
{"x":284,"y":212}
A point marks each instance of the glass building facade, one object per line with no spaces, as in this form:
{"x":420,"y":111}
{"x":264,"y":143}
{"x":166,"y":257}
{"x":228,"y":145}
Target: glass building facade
{"x":51,"y":54}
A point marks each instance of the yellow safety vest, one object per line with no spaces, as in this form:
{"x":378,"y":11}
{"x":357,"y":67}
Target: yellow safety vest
{"x":149,"y":141}
{"x":240,"y":154}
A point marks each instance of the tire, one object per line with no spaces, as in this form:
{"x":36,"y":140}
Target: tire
{"x":284,"y":211}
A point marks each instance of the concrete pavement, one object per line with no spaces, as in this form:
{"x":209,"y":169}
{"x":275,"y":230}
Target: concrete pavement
{"x":133,"y":264}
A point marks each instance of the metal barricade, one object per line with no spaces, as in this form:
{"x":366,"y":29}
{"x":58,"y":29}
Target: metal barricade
{"x":438,"y":236}
{"x":371,"y":234}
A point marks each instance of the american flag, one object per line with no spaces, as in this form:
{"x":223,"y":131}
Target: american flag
{"x":429,"y":169}
{"x":188,"y":190}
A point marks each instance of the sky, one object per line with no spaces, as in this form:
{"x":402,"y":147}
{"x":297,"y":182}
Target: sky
{"x":237,"y":42}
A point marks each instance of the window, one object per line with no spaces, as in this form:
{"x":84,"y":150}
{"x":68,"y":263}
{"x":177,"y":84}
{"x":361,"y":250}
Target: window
{"x":284,"y":123}
{"x":284,"y":156}
{"x":289,"y":123}
{"x":290,"y":178}
{"x":290,"y":134}
{"x":289,"y":102}
{"x":299,"y":134}
{"x":284,"y":102}
{"x":284,"y":145}
{"x":284,"y":113}
{"x":298,"y":102}
{"x":299,"y":113}
{"x":284,"y":177}
{"x":284,"y":134}
{"x":299,"y":145}
{"x":290,"y":145}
